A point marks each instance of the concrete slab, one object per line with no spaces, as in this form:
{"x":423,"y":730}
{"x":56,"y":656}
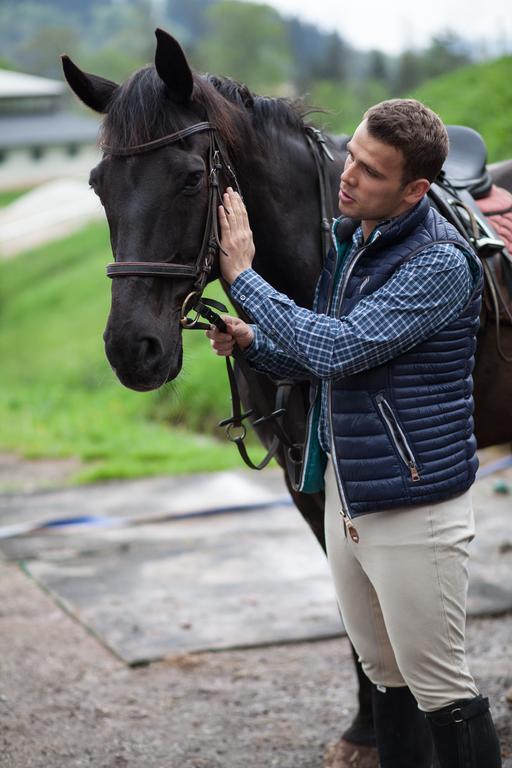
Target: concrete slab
{"x":237,"y":580}
{"x":163,"y":587}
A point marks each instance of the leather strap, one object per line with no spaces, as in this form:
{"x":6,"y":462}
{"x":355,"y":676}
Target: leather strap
{"x":461,"y":210}
{"x":320,"y":153}
{"x":236,"y":421}
{"x":149,"y":146}
{"x":460,"y":711}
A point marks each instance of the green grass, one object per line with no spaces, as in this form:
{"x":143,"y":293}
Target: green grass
{"x":58,"y":395}
{"x":9,"y":195}
{"x":479,"y":96}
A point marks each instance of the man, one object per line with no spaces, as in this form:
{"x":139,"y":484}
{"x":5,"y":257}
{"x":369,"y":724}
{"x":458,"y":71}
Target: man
{"x":389,"y":348}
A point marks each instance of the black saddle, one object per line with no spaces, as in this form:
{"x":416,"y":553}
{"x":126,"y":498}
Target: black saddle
{"x":465,"y":165}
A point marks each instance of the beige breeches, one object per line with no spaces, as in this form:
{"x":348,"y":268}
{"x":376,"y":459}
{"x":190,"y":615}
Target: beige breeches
{"x":402,"y":594}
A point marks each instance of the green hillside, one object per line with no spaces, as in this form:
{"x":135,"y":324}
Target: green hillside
{"x":479,"y":96}
{"x":58,"y":395}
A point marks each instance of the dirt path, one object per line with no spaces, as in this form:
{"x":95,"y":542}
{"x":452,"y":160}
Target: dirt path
{"x":19,"y":475}
{"x":65,"y":701}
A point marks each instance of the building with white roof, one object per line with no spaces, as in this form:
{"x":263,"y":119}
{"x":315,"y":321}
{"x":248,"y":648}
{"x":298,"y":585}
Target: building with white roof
{"x":39,"y":138}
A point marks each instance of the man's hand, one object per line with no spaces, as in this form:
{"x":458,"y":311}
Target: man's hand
{"x":236,"y":237}
{"x":237,"y":332}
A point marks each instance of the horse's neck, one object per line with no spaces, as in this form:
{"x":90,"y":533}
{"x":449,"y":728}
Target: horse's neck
{"x":281,"y":191}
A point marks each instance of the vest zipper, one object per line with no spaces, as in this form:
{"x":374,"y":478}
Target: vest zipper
{"x":398,"y":437}
{"x":345,"y":509}
{"x":348,"y":525}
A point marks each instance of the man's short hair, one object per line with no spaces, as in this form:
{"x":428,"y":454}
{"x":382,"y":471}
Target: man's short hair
{"x":413,"y":128}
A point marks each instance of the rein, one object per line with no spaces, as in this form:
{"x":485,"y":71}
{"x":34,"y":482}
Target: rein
{"x":218,"y":162}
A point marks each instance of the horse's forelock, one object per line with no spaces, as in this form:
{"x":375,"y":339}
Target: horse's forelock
{"x":142,"y":111}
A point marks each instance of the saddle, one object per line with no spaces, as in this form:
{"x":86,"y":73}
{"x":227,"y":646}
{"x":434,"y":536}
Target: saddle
{"x":466,"y":164}
{"x":482,"y":212}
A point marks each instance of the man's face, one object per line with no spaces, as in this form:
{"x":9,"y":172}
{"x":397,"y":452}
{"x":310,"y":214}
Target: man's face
{"x":371,"y":186}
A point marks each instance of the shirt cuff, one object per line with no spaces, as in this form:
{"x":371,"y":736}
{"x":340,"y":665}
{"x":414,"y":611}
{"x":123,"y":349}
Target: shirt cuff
{"x":256,"y":351}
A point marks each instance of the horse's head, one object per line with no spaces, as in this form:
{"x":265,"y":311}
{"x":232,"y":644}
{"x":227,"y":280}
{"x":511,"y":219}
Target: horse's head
{"x":156,"y":203}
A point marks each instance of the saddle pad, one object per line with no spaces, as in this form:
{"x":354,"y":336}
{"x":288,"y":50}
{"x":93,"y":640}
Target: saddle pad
{"x":497,"y":207}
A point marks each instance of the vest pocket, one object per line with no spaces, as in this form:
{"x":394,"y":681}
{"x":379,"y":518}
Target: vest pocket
{"x":398,"y":437}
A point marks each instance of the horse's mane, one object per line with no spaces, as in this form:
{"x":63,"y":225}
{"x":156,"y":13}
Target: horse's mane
{"x":142,"y":111}
{"x":267,"y":112}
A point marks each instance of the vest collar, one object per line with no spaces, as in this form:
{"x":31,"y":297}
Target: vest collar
{"x":391,"y":231}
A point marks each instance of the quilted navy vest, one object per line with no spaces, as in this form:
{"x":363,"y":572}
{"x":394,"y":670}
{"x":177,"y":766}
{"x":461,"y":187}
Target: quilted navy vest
{"x":403,"y":431}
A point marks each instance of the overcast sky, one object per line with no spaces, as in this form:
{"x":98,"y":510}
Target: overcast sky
{"x":398,"y":24}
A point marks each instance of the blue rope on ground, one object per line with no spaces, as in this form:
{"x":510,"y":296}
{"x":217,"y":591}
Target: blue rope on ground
{"x":494,"y":466}
{"x":99,"y":521}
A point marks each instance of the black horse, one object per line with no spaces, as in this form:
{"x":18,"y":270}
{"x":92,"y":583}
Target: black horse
{"x":156,"y":201}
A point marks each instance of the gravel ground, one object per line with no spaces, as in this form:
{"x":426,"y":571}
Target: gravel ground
{"x":65,"y":701}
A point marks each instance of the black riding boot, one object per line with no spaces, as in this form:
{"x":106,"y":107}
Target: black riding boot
{"x":403,"y":736}
{"x":464,"y":735}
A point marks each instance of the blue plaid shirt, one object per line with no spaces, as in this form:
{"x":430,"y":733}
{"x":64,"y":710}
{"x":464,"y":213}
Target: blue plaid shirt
{"x":424,"y":295}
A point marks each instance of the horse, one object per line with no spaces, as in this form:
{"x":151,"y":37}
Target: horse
{"x":163,"y":132}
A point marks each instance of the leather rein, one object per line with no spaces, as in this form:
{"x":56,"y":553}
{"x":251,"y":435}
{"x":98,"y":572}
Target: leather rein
{"x":219,"y":163}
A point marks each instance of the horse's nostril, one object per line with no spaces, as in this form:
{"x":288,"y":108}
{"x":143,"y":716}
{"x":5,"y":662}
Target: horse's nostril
{"x":150,"y":350}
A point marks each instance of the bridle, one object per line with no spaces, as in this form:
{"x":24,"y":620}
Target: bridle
{"x":219,"y":163}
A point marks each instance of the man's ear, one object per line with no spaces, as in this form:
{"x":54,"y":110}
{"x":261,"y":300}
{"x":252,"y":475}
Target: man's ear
{"x":415,"y":190}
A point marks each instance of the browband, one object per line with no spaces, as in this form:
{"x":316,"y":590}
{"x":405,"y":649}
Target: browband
{"x":171,"y":138}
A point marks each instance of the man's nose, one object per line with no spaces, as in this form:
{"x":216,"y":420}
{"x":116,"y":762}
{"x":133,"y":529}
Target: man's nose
{"x":348,"y":175}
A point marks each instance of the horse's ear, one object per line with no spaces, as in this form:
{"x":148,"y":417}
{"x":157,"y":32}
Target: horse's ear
{"x":173,"y":68}
{"x":94,"y":91}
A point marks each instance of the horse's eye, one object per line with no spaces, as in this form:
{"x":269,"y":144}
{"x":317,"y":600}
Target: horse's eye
{"x":193,"y":181}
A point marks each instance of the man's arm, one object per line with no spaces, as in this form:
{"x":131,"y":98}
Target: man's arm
{"x":422,"y":297}
{"x":266,"y":356}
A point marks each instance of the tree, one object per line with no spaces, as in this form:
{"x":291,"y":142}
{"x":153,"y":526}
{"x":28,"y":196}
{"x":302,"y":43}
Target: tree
{"x":188,"y":17}
{"x":246,"y":41}
{"x":120,"y":39}
{"x":377,"y":66}
{"x":445,"y":53}
{"x":333,"y":65}
{"x":410,"y":72}
{"x":41,"y":53}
